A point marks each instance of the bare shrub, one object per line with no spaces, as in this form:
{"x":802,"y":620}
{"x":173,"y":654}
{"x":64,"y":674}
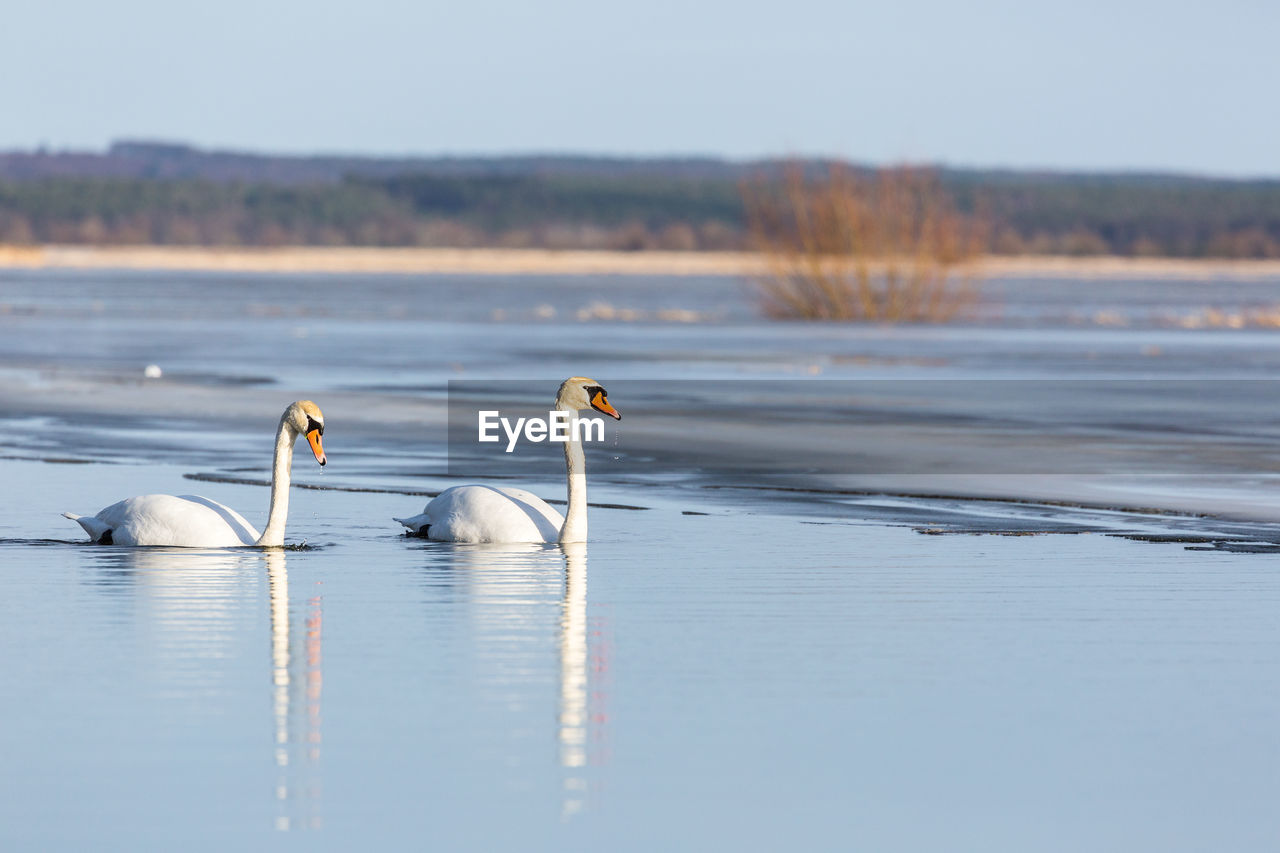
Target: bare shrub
{"x":15,"y":229}
{"x":1042,"y":243}
{"x":92,"y":231}
{"x":569,"y":237}
{"x":326,"y":235}
{"x":445,"y":233}
{"x":178,"y":231}
{"x":1081,"y":242}
{"x":1145,"y":247}
{"x":633,"y":237}
{"x":678,"y":237}
{"x":1244,"y":243}
{"x":1008,"y":242}
{"x":272,"y":234}
{"x":886,"y":247}
{"x":716,"y":236}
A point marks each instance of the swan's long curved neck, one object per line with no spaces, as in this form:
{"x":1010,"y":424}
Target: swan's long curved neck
{"x":575,"y":519}
{"x":273,"y":534}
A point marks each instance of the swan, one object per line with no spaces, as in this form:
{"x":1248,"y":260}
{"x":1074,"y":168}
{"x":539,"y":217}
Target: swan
{"x":502,"y":514}
{"x":190,"y":521}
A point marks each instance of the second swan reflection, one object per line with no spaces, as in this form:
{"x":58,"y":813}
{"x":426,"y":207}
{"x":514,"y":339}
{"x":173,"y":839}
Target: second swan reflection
{"x":531,"y":624}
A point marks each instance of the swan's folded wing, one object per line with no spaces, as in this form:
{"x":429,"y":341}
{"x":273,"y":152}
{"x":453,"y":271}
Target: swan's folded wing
{"x":491,"y":514}
{"x":185,"y":521}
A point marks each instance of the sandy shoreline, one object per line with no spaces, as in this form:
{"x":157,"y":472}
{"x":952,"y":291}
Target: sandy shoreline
{"x":306,"y":259}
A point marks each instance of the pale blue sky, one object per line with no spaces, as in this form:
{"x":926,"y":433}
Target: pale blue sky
{"x":1085,"y":84}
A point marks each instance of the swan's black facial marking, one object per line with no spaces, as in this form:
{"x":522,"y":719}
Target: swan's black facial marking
{"x":599,"y":399}
{"x":312,"y":426}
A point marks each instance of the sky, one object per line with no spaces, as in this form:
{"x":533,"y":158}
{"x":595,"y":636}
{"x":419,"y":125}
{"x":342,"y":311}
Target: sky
{"x":1170,"y":86}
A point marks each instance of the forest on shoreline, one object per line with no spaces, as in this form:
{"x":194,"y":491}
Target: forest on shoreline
{"x":139,"y":193}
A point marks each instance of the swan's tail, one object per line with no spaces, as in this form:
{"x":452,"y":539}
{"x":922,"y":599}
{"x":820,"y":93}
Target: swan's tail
{"x":95,"y":527}
{"x":417,"y":524}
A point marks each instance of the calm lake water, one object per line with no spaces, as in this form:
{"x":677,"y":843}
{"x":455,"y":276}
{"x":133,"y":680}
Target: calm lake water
{"x":729,"y":663}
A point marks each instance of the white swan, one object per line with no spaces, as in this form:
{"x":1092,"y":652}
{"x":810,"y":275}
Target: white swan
{"x":190,"y":521}
{"x":501,"y":514}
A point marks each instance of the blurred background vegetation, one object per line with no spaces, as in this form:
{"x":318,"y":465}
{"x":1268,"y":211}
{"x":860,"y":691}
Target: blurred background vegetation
{"x":883,"y":247}
{"x":149,"y":193}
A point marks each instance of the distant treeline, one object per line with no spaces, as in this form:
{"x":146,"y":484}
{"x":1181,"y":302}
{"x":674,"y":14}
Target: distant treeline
{"x":139,"y":193}
{"x":417,"y":210}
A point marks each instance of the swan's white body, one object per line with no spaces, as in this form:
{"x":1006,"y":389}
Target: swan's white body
{"x":503,"y":514}
{"x":487,"y":514}
{"x":175,"y":520}
{"x":191,"y":521}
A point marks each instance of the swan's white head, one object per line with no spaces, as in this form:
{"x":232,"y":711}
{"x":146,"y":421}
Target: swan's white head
{"x":579,"y":392}
{"x":304,"y":418}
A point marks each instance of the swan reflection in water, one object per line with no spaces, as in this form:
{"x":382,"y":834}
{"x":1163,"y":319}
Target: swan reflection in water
{"x":197,"y":609}
{"x":514,"y":590}
{"x":574,"y":709}
{"x":297,"y":684}
{"x":203,"y":606}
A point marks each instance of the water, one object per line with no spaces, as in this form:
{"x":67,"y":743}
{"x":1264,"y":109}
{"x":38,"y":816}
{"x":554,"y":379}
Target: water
{"x":790,"y":669}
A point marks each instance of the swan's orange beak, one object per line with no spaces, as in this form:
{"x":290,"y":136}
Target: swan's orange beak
{"x":313,"y":438}
{"x":601,"y":404}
